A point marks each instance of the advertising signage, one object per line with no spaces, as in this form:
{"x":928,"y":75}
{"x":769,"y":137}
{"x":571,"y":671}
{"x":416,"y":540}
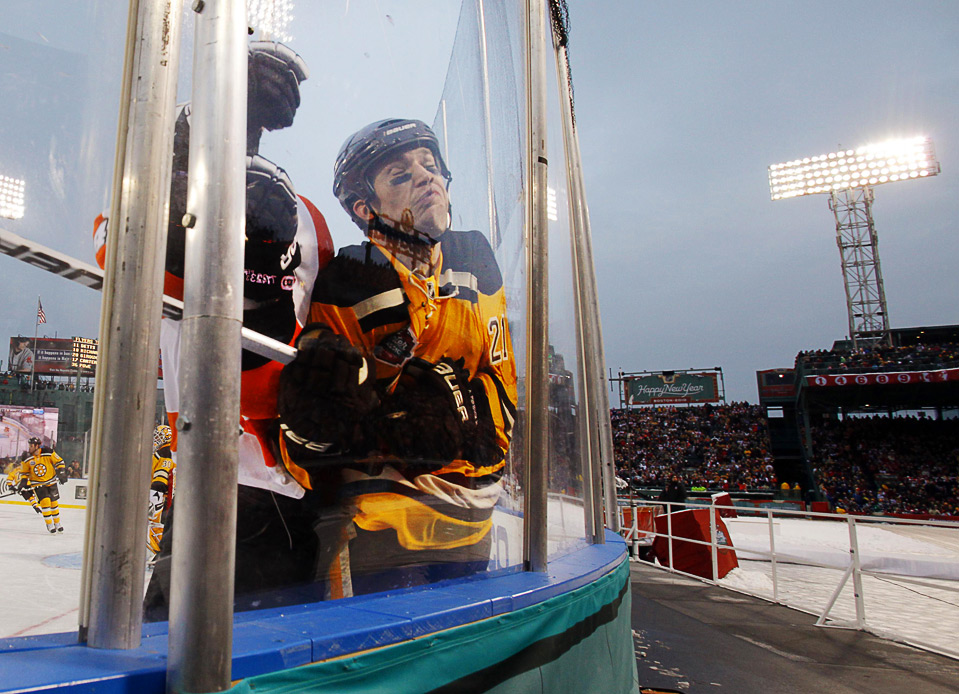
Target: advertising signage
{"x":883,"y":379}
{"x":672,"y":388}
{"x":52,"y":356}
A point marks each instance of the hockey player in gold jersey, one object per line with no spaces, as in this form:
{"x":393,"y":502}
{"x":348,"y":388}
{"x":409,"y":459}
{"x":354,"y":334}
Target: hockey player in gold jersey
{"x":402,"y":397}
{"x":162,"y":483}
{"x":42,"y":469}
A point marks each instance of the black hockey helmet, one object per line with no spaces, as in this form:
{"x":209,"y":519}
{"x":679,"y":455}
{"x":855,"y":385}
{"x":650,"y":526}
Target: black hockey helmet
{"x":364,"y":149}
{"x":34,"y":441}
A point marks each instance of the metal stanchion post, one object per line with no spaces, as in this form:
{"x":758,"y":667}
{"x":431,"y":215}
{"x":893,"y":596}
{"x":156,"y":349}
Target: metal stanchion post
{"x":772,"y":552}
{"x":669,"y":531}
{"x":537,"y":298}
{"x":856,"y":574}
{"x":713,"y":544}
{"x":201,"y":593}
{"x":115,"y":556}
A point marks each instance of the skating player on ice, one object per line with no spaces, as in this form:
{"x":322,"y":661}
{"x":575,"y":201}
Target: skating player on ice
{"x":42,"y":470}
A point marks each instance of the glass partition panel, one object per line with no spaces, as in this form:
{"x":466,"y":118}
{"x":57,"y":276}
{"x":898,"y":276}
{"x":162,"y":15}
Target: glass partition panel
{"x":566,"y":508}
{"x":60,"y":71}
{"x":384,"y":240}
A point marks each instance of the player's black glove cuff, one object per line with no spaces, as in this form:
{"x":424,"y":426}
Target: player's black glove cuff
{"x":438,"y":414}
{"x":21,"y":485}
{"x":274,"y":73}
{"x":324,"y":396}
{"x":62,"y":476}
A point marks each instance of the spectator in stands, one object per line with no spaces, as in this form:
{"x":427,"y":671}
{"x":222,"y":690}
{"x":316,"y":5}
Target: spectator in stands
{"x":675,"y":491}
{"x":901,"y":465}
{"x":724,"y":447}
{"x":880,"y":358}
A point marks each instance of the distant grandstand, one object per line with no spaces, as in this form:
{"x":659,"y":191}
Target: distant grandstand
{"x":871,"y":430}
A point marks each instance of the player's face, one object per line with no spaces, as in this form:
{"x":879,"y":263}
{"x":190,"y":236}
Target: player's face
{"x":33,"y":448}
{"x":413,"y":181}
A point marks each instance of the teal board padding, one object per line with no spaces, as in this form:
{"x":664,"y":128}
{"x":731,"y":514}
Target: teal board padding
{"x":576,"y":642}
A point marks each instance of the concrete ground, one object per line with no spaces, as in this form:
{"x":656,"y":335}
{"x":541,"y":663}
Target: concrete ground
{"x":693,"y":637}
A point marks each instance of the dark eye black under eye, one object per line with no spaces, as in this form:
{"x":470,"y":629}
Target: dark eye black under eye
{"x":401,"y":179}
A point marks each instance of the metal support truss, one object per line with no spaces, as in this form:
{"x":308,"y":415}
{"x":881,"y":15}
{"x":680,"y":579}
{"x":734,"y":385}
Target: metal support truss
{"x":859,"y":253}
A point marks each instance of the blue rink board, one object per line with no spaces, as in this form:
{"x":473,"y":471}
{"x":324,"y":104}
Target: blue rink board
{"x":270,"y":640}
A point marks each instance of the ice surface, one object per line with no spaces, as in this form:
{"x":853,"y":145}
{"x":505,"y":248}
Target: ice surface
{"x":41,"y":572}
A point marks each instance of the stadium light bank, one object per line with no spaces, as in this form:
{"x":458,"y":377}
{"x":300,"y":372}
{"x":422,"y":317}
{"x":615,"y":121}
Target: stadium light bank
{"x":848,"y":177}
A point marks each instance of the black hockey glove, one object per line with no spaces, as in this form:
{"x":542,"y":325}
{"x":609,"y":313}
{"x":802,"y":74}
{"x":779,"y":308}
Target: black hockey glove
{"x":270,"y":202}
{"x":274,"y":73}
{"x":270,"y":254}
{"x":324,"y":397}
{"x":22,"y":485}
{"x":438,"y":414}
{"x":62,"y":476}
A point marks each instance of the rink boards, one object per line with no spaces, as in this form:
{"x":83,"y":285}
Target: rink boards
{"x":566,"y":630}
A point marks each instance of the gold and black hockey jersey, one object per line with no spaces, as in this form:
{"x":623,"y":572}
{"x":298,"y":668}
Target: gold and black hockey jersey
{"x":454,"y":307}
{"x":163,"y":471}
{"x":42,"y":467}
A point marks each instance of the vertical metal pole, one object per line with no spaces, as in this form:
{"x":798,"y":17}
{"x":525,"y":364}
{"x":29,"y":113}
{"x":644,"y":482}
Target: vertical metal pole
{"x":587,"y":303}
{"x":669,"y":531}
{"x":446,"y":135}
{"x":537,"y":296}
{"x":33,"y":363}
{"x":589,"y":449}
{"x":713,"y":545}
{"x":488,"y":131}
{"x":856,"y":575}
{"x":772,"y":552}
{"x":596,"y":395}
{"x":201,"y":599}
{"x":112,"y":589}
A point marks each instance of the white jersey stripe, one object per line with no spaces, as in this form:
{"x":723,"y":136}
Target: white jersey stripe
{"x":390,"y":299}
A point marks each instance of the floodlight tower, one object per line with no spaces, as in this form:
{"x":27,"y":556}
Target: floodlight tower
{"x":848,"y":176}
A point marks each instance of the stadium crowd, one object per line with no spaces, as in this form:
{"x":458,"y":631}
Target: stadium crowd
{"x":880,"y":358}
{"x":710,"y":447}
{"x":882,"y":465}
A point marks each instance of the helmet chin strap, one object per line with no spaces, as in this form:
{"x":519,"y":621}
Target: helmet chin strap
{"x":413,"y":248}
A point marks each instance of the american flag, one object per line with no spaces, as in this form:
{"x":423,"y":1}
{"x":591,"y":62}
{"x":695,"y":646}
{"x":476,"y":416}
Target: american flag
{"x":41,"y":316}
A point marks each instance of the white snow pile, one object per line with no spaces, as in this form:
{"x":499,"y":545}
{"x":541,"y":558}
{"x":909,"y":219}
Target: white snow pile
{"x":827,"y":543}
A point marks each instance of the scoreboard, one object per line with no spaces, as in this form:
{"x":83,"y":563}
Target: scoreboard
{"x":84,"y":354}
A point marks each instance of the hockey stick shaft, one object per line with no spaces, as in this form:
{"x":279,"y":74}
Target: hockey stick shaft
{"x":32,"y":486}
{"x":60,"y":264}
